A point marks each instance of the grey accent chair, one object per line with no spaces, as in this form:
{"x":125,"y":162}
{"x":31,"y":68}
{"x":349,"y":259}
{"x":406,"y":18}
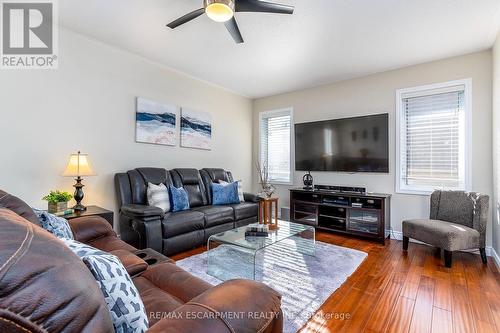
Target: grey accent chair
{"x":457,"y":222}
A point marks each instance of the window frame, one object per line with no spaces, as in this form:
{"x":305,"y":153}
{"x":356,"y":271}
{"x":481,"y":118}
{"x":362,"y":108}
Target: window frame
{"x":424,"y":90}
{"x":277,"y":113}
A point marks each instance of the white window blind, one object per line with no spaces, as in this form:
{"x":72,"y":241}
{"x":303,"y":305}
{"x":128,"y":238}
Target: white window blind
{"x":432,"y":140}
{"x":275,"y":144}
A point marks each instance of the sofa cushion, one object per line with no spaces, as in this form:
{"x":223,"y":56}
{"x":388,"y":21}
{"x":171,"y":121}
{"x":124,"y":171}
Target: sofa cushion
{"x":245,"y":210}
{"x":446,"y":235}
{"x":177,"y":223}
{"x":18,"y":206}
{"x":215,"y":215}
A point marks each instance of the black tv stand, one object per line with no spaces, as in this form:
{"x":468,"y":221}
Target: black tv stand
{"x":352,"y":211}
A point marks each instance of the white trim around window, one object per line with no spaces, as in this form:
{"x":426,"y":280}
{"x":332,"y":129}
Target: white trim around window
{"x":276,"y":114}
{"x":464,"y":151}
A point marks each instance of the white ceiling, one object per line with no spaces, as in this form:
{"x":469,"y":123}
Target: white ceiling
{"x":323,"y":42}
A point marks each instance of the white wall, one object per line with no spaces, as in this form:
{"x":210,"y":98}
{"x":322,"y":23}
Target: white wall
{"x":376,"y":94}
{"x":88,"y":104}
{"x":496,"y":144}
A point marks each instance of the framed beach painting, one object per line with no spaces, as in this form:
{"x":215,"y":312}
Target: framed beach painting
{"x":155,"y":122}
{"x":196,"y":129}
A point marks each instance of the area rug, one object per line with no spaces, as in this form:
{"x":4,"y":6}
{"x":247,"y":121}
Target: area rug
{"x":305,"y":282}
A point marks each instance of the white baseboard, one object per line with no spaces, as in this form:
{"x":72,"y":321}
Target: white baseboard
{"x":490,"y":252}
{"x":495,"y":257}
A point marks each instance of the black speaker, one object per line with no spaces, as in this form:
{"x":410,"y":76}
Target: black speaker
{"x":308,"y":181}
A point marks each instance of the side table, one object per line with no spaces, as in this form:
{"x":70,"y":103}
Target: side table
{"x":266,"y":212}
{"x":92,"y":211}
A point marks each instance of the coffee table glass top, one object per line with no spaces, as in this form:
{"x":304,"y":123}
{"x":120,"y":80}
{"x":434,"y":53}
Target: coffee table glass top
{"x":237,"y":236}
{"x":233,"y":255}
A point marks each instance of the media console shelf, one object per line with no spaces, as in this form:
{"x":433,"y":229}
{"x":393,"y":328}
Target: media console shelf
{"x":360,"y":214}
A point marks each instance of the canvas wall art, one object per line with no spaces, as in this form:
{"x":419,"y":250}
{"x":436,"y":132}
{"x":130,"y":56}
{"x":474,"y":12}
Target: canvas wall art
{"x":196,"y":129}
{"x":155,"y":122}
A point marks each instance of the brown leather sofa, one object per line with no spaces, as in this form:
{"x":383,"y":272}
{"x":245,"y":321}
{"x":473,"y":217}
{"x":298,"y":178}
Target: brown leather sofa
{"x":44,"y":287}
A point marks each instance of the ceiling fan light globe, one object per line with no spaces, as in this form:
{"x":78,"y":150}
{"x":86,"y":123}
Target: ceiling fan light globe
{"x":219,"y":10}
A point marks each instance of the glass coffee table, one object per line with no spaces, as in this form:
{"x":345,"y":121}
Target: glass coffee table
{"x":231,"y":255}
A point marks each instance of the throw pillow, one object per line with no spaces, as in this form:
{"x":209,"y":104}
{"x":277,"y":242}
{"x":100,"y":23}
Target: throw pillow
{"x":121,"y":296}
{"x":225,"y":194}
{"x":240,"y":189}
{"x":179,"y":199}
{"x":158,"y":196}
{"x":57,"y":226}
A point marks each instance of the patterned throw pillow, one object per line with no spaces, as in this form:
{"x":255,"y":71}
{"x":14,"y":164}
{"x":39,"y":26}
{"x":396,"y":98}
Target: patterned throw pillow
{"x":179,"y":199}
{"x":122,"y":297}
{"x":225,"y":194}
{"x":57,"y":226}
{"x":240,"y":189}
{"x":158,"y":196}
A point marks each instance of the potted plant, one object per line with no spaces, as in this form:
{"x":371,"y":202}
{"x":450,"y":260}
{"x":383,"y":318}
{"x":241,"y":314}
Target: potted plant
{"x":58,"y":201}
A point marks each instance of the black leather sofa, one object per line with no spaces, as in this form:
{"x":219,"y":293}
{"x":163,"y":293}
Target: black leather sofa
{"x":144,"y":226}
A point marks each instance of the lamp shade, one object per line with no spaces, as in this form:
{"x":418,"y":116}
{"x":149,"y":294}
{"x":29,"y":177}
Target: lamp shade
{"x":78,"y":165}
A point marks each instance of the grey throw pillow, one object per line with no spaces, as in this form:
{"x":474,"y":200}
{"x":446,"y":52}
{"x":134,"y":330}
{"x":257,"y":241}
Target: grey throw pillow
{"x":57,"y":226}
{"x":122,"y":297}
{"x":158,"y":196}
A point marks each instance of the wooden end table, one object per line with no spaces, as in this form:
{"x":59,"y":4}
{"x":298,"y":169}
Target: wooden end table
{"x":266,"y":212}
{"x":92,"y":211}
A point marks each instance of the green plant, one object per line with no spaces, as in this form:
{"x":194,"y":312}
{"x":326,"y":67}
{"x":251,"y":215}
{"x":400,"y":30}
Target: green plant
{"x":57,"y":196}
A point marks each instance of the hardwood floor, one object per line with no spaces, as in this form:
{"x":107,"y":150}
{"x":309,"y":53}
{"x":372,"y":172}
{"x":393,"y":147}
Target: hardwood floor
{"x":396,"y":292}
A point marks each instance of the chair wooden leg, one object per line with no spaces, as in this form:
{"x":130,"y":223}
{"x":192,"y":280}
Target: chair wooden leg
{"x":406,"y":240}
{"x":483,"y":255}
{"x":447,"y":258}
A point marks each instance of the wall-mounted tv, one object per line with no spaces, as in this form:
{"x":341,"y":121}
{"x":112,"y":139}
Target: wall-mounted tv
{"x":359,"y":144}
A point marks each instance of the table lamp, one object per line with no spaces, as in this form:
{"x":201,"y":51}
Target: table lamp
{"x":78,"y":165}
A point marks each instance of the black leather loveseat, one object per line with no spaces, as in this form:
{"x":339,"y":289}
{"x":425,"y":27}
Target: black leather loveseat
{"x":144,"y":226}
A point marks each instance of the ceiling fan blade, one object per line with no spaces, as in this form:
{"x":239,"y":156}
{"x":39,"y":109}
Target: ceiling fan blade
{"x":263,"y":7}
{"x":233,"y":29}
{"x":186,"y":18}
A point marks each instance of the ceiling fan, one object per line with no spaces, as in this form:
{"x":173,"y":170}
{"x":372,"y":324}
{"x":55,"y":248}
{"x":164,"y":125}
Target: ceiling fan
{"x":223,"y":11}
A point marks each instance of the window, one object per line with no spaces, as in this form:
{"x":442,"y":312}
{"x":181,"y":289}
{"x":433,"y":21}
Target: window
{"x":433,"y":137}
{"x":276,"y":132}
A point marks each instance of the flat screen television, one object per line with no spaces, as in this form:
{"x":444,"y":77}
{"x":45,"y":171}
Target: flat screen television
{"x":359,"y":144}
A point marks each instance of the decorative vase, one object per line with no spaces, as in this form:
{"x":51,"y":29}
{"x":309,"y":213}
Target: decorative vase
{"x":55,"y":207}
{"x":267,"y":190}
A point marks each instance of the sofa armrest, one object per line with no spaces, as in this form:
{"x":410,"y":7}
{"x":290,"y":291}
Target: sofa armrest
{"x":149,"y":230}
{"x":146,"y":222}
{"x":88,"y":228}
{"x":142,"y":211}
{"x":221,"y":309}
{"x":250,"y":197}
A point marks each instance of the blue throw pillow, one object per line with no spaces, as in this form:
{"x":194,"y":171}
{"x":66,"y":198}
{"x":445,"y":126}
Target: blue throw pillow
{"x":57,"y":226}
{"x":225,"y":194}
{"x":179,"y":199}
